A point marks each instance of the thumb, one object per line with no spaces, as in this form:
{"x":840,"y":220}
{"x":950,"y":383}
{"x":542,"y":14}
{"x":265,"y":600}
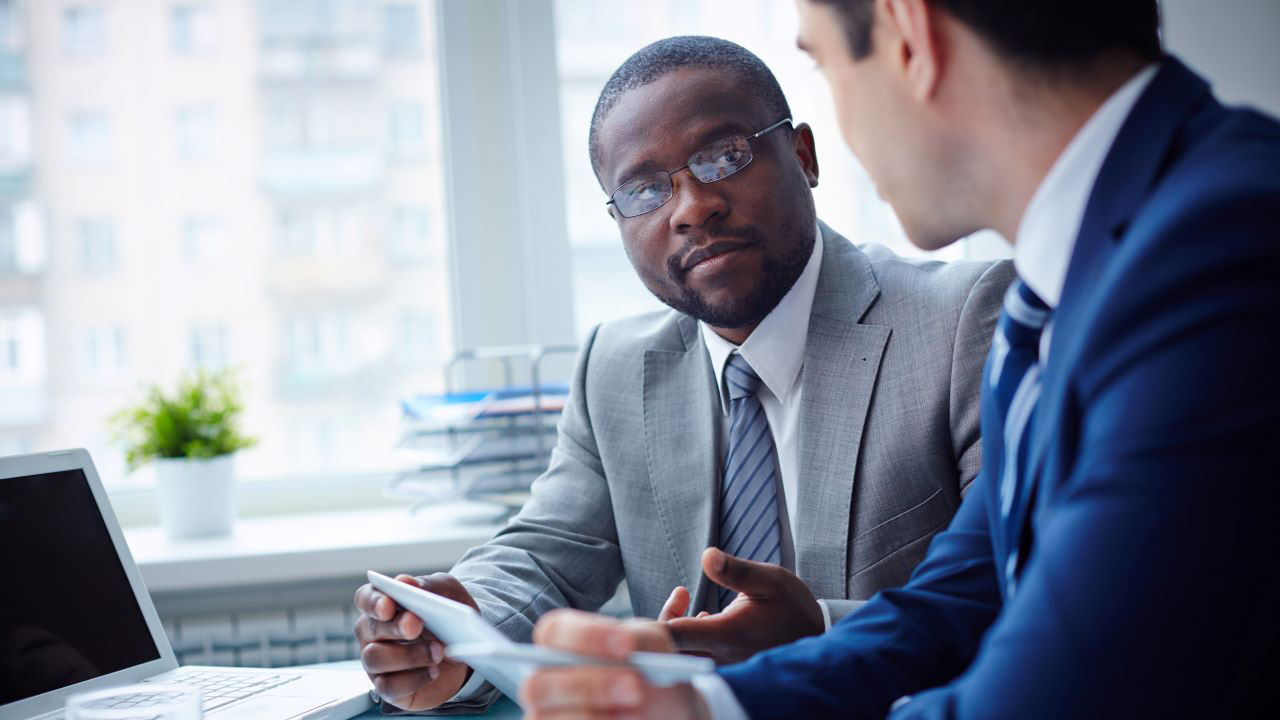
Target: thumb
{"x":676,"y":606}
{"x":734,"y":573}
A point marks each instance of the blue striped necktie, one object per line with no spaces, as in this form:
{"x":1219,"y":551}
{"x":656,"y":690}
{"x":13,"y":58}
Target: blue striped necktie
{"x":748,"y":495}
{"x":1014,"y":380}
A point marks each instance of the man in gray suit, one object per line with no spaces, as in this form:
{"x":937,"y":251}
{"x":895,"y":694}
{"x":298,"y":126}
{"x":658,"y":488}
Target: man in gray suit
{"x":806,"y":403}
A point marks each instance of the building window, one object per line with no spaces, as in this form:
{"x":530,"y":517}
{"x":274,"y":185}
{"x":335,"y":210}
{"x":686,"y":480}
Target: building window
{"x":96,"y":240}
{"x":401,"y":30}
{"x":84,"y":30}
{"x":411,"y":233}
{"x":15,"y":130}
{"x":8,"y":242}
{"x":317,"y":344}
{"x":408,"y":130}
{"x":322,"y":232}
{"x":105,"y":351}
{"x":10,"y":346}
{"x":209,"y":346}
{"x":196,"y":133}
{"x":90,"y":137}
{"x":201,"y":237}
{"x":191,"y":28}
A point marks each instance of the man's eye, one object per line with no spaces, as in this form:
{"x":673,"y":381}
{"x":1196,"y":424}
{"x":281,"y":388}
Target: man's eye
{"x":645,"y":190}
{"x":731,"y":156}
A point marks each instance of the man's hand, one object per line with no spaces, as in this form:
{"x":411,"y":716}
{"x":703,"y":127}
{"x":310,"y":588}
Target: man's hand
{"x":405,"y":662}
{"x":600,"y":692}
{"x":773,"y":607}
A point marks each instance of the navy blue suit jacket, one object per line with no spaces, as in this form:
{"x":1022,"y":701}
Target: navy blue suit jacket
{"x":1149,"y":586}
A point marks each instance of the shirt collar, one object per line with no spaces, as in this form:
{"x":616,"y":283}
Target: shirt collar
{"x":775,"y":349}
{"x":1049,"y":226}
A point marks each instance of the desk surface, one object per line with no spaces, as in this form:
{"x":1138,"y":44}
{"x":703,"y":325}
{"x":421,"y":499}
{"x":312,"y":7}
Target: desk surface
{"x":504,"y":709}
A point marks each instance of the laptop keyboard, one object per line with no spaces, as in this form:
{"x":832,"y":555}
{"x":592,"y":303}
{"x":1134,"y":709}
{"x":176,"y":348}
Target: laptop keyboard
{"x":218,"y":688}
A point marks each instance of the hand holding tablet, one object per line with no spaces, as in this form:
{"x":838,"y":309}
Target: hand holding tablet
{"x":472,"y":640}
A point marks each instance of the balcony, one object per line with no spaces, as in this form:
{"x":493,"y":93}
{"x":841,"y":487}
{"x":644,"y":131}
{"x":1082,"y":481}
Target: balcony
{"x":308,"y":173}
{"x":349,"y":61}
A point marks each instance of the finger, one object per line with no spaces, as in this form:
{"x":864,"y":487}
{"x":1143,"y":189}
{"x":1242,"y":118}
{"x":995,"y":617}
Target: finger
{"x":744,"y":576}
{"x":704,"y":634}
{"x":585,"y":633}
{"x":405,"y":683}
{"x":586,"y":690}
{"x":703,"y":614}
{"x":386,"y":657}
{"x":445,"y":585}
{"x":374,"y":604}
{"x":677,"y":604}
{"x":405,"y":627}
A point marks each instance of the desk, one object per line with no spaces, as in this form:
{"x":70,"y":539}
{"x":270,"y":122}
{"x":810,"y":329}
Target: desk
{"x":504,"y":709}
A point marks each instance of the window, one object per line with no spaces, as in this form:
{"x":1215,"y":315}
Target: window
{"x":10,"y":350}
{"x":104,"y":352}
{"x":196,"y":133}
{"x":97,"y":242}
{"x":592,"y":42}
{"x":11,"y":31}
{"x":15,"y":131}
{"x":408,"y":130}
{"x":401,"y":29}
{"x":84,"y":30}
{"x":8,"y":244}
{"x":411,"y":233}
{"x":209,"y":346}
{"x":191,"y":28}
{"x":201,"y":237}
{"x":273,"y":259}
{"x":90,"y":137}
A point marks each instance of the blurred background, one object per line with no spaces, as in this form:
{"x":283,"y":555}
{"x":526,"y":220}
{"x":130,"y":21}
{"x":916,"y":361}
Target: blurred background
{"x":334,"y":198}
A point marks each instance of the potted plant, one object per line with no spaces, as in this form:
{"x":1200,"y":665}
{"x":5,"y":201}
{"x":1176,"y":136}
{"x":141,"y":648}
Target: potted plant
{"x":191,"y":437}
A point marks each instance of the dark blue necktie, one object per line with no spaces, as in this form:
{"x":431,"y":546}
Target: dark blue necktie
{"x":1014,"y":380}
{"x":748,"y":495}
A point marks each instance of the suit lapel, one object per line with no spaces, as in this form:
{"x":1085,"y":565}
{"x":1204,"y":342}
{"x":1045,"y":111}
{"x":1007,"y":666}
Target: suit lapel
{"x":842,"y":360}
{"x":682,"y":447}
{"x":1132,"y":167}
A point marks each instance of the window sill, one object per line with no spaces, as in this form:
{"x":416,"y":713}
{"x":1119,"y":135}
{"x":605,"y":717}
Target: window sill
{"x":304,"y":547}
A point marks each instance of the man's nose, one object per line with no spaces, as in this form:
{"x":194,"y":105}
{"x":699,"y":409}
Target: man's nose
{"x":694,"y":203}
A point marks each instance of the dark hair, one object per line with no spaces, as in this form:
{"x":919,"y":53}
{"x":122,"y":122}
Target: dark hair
{"x":1048,"y":35}
{"x":665,"y":56}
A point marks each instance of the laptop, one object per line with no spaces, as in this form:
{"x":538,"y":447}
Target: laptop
{"x":77,"y":617}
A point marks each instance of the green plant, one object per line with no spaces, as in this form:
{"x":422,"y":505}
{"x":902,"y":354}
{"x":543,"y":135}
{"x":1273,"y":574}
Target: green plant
{"x":199,"y":420}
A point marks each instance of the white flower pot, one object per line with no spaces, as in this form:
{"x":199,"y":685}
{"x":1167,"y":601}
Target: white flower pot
{"x":197,"y":497}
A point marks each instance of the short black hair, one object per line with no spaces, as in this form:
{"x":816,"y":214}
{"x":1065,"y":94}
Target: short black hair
{"x":1045,"y":35}
{"x":656,"y":60}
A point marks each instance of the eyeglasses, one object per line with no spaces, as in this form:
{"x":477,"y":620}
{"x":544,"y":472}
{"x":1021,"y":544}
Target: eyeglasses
{"x":715,"y":161}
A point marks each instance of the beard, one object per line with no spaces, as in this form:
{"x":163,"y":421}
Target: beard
{"x":778,"y":273}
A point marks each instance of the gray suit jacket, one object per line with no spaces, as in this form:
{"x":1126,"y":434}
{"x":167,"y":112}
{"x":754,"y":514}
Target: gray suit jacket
{"x":889,"y":441}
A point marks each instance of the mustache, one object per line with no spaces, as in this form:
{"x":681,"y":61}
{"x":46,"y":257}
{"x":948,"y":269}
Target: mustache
{"x":696,"y":249}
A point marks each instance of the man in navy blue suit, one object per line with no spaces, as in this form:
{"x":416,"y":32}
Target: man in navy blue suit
{"x":1117,"y":555}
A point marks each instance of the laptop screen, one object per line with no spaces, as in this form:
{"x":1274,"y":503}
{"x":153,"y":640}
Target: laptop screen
{"x":69,"y":613}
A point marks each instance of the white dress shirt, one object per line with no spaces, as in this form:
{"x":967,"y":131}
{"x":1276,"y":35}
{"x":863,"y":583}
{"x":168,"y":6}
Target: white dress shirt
{"x":775,"y":350}
{"x":1041,"y":255}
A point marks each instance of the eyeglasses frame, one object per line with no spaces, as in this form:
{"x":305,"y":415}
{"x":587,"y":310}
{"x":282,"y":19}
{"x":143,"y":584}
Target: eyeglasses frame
{"x":671,"y":174}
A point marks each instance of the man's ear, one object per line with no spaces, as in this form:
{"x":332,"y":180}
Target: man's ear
{"x":806,"y":152}
{"x":907,"y":30}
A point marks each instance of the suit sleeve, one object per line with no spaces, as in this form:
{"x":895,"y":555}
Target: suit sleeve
{"x":972,"y":342}
{"x":561,"y":550}
{"x":1150,"y":592}
{"x":901,"y":641}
